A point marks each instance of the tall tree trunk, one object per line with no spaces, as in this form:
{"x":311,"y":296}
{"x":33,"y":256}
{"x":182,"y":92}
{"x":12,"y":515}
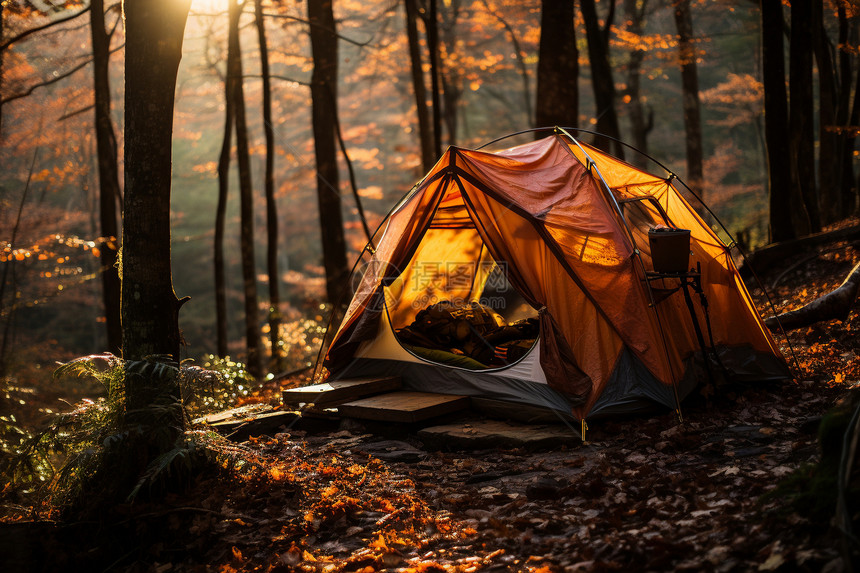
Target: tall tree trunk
{"x":450,"y":77}
{"x":108,"y":175}
{"x":828,"y":157}
{"x":641,"y":123}
{"x":220,"y":222}
{"x":246,"y":192}
{"x":850,"y":194}
{"x":847,"y":33}
{"x":428,"y":158}
{"x":801,"y":134}
{"x":150,"y":309}
{"x":431,"y":25}
{"x":2,"y":57}
{"x":690,"y":90}
{"x":601,"y":76}
{"x":278,"y":355}
{"x":324,"y":98}
{"x":781,"y":202}
{"x":557,"y":100}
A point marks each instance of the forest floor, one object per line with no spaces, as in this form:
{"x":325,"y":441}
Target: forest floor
{"x":643,"y":494}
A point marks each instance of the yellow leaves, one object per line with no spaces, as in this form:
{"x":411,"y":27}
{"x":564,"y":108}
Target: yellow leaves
{"x":737,"y":90}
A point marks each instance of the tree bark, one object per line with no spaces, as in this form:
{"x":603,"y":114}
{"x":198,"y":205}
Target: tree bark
{"x":425,"y":135}
{"x":801,"y":135}
{"x":150,"y":309}
{"x":108,"y":176}
{"x":278,"y":355}
{"x":2,"y":57}
{"x":246,"y":193}
{"x":690,"y":91}
{"x":847,"y":114}
{"x":557,"y":100}
{"x":828,"y":157}
{"x":220,"y":222}
{"x":641,"y":123}
{"x":834,"y":305}
{"x":781,"y":201}
{"x":431,"y":25}
{"x":324,"y":98}
{"x":601,"y":77}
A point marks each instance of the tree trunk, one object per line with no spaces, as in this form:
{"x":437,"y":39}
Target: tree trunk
{"x":640,"y":125}
{"x":801,"y":135}
{"x":278,"y":355}
{"x":220,"y":222}
{"x":846,"y":114}
{"x":557,"y":100}
{"x":108,"y":176}
{"x":246,"y":192}
{"x":150,"y":309}
{"x":781,"y":201}
{"x":2,"y":57}
{"x":828,"y":157}
{"x":324,"y":98}
{"x":428,"y":159}
{"x":451,"y":77}
{"x":431,"y":25}
{"x":690,"y":91}
{"x":849,"y":183}
{"x":834,"y":305}
{"x":601,"y":77}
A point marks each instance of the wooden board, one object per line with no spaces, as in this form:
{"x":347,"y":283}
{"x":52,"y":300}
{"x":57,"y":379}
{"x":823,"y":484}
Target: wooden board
{"x":403,"y":407}
{"x":331,"y":393}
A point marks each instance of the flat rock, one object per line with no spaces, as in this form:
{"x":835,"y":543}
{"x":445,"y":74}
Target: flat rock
{"x":392,"y":451}
{"x":497,"y":434}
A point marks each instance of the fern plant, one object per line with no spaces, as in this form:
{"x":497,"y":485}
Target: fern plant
{"x":95,"y":439}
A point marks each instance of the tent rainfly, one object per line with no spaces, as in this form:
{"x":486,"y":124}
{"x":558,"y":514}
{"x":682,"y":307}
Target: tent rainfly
{"x":566,"y":226}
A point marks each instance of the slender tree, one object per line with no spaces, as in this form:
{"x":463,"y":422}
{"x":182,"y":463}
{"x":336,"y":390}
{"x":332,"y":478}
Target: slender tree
{"x":221,"y":221}
{"x":108,"y":175}
{"x":236,"y":93}
{"x":277,"y":357}
{"x":801,"y":133}
{"x":425,"y":135}
{"x":781,"y":202}
{"x":324,"y":99}
{"x":557,"y":100}
{"x":431,"y":25}
{"x":641,"y":120}
{"x":601,"y":75}
{"x":690,"y":91}
{"x":828,"y":156}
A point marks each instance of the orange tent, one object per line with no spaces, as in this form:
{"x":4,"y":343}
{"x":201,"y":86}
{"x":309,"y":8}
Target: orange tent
{"x":569,"y":227}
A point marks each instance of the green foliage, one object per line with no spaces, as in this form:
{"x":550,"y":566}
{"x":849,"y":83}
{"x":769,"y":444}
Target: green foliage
{"x":87,"y":449}
{"x":220,"y":384}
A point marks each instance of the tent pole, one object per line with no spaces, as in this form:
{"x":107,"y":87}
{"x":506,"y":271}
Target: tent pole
{"x":638,"y":256}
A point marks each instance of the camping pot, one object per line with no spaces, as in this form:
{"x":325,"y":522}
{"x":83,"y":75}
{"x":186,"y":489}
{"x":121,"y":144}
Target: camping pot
{"x":670,"y":249}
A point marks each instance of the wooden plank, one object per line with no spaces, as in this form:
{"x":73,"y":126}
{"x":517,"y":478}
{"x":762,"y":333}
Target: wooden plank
{"x":404,"y":407}
{"x":331,"y":393}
